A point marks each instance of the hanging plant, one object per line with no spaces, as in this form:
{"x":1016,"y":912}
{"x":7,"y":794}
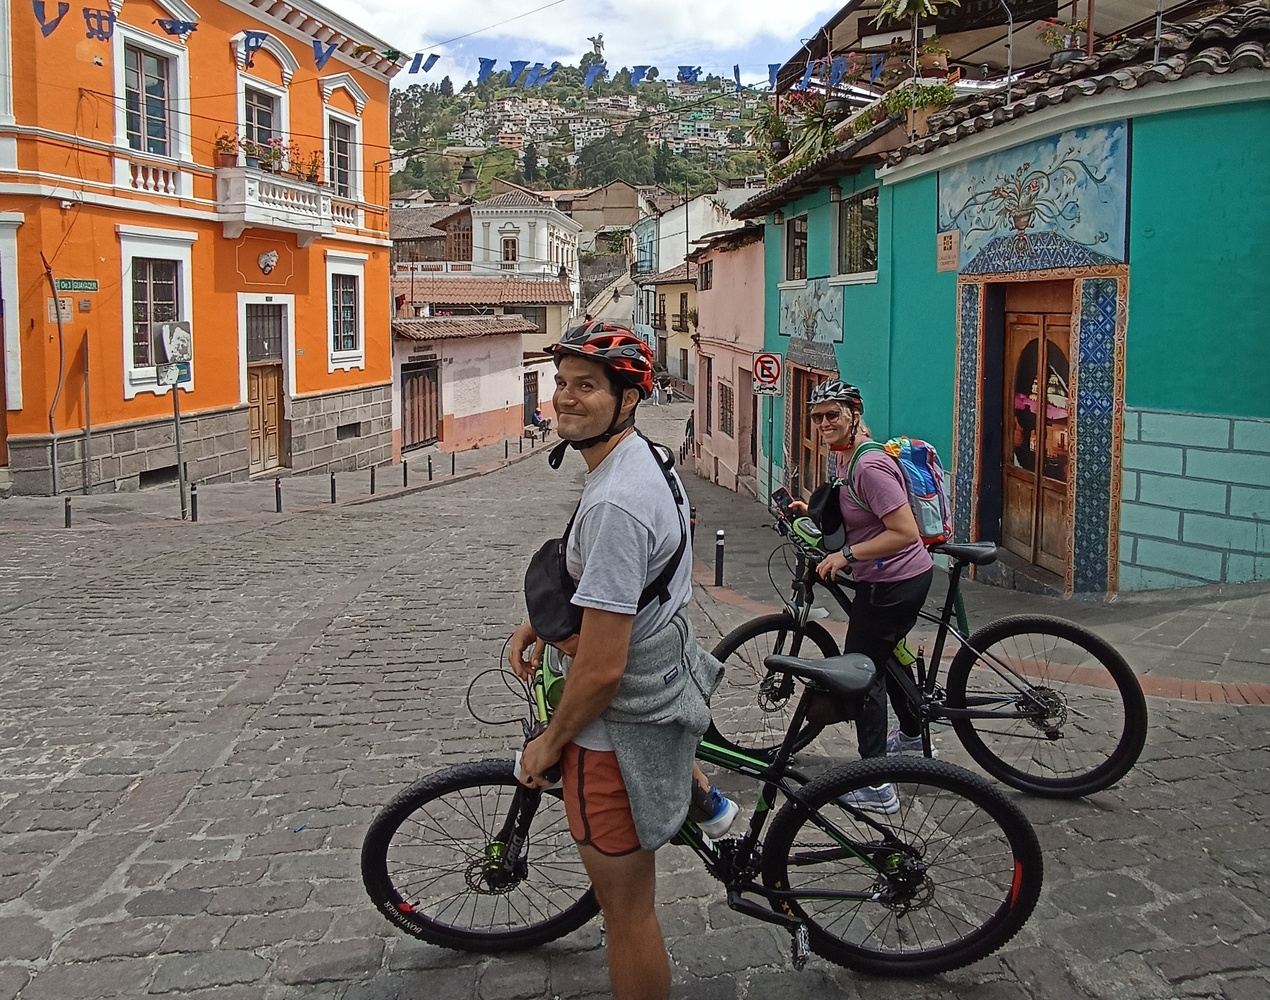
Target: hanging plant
{"x":815,"y":131}
{"x":907,"y":10}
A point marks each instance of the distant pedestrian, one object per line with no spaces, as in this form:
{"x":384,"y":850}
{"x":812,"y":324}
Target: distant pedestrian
{"x":670,"y":393}
{"x":656,"y":394}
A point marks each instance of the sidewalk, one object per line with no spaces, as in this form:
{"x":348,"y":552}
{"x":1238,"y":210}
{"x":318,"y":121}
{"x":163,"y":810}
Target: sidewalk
{"x":255,"y":498}
{"x":1200,"y":644}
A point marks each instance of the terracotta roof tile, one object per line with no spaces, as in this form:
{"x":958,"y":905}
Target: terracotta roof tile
{"x":452,"y":290}
{"x":677,"y":274}
{"x":1235,"y":39}
{"x":460,"y":327}
{"x":512,"y":199}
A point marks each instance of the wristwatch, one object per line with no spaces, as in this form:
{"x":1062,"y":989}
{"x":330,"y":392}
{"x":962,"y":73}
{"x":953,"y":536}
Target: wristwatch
{"x":846,"y":551}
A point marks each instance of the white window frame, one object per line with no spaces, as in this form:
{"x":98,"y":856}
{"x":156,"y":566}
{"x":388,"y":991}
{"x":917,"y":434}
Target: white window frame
{"x":178,"y":99}
{"x":163,"y":244}
{"x":351,"y":263}
{"x":11,"y":319}
{"x":853,"y":277}
{"x":355,"y":153}
{"x":280,"y":94}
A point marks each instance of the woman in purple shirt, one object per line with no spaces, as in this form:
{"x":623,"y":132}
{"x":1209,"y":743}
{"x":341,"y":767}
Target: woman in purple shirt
{"x":892,"y":569}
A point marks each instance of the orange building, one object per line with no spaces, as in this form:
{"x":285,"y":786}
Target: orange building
{"x":216,"y":175}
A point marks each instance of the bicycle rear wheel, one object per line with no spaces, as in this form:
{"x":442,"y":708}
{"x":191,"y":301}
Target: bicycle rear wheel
{"x":431,"y":864}
{"x":752,"y":709}
{"x":944,"y":880}
{"x":1073,"y":720}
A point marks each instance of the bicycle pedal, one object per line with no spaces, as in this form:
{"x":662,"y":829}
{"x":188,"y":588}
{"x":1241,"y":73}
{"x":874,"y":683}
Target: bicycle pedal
{"x":800,"y":947}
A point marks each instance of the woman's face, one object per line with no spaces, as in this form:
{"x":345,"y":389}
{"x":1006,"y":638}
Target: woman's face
{"x":835,"y":422}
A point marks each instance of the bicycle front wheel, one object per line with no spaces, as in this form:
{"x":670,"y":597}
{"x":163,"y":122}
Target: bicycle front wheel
{"x":434,"y":863}
{"x":945,"y":877}
{"x":753,"y":707}
{"x":1071,"y":716}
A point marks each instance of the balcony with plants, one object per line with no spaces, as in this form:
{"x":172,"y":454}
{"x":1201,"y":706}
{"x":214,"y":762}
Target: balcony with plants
{"x":273,"y":185}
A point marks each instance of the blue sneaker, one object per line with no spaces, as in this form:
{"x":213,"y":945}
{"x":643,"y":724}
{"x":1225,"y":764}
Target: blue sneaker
{"x":874,"y":798}
{"x":720,"y":812}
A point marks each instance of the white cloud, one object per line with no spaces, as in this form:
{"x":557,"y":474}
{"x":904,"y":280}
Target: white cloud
{"x":711,"y":33}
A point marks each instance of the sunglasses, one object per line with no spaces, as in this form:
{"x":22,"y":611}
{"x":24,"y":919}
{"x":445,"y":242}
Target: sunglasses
{"x":829,"y":417}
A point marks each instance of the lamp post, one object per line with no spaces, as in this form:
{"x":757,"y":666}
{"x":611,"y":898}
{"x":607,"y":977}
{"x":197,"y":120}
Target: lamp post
{"x":468,"y":179}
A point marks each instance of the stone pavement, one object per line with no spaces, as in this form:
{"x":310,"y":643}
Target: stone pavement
{"x":199,"y":721}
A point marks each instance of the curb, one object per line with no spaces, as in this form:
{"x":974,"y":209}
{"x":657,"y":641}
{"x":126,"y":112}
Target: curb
{"x":479,"y":471}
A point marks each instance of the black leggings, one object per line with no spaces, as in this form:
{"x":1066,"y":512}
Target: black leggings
{"x":881,"y":615}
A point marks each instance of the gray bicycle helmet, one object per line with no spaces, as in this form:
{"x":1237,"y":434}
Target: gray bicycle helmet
{"x":836,"y":391}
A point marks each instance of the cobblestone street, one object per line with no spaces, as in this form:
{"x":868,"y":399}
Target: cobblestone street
{"x":199,"y":722}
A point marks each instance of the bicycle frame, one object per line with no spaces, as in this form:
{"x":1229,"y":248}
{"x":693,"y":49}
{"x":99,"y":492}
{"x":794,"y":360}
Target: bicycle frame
{"x":922,"y":696}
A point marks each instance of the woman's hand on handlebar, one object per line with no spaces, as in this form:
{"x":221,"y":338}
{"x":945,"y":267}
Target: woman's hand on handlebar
{"x":797,"y":508}
{"x":831,"y":565}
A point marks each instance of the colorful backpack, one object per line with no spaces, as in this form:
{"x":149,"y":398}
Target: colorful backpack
{"x":924,"y":477}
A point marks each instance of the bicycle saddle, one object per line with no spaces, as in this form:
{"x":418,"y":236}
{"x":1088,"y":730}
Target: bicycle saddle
{"x":979,"y":553}
{"x":850,"y":674}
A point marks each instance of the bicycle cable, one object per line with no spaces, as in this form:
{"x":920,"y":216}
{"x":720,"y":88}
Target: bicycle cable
{"x":504,"y":674}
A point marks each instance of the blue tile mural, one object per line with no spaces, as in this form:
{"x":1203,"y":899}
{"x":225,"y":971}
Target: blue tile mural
{"x":964,"y":447}
{"x":1095,"y":434}
{"x":1056,"y":202}
{"x":811,"y":317}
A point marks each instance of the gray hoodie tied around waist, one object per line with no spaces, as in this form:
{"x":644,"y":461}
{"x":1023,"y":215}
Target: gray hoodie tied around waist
{"x":655,"y":720}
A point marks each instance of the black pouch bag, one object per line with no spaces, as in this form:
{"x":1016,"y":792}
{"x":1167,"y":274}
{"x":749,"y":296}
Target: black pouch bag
{"x":549,"y":588}
{"x":823,"y":508}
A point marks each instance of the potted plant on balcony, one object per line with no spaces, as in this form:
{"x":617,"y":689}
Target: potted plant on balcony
{"x":273,"y":155}
{"x":252,"y":152}
{"x":311,"y":167}
{"x":907,"y":12}
{"x":917,"y":102}
{"x":771,"y":132}
{"x":932,"y":60}
{"x":226,"y":147}
{"x":1066,"y":38}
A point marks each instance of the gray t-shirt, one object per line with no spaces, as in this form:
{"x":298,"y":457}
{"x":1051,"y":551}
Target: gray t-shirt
{"x":625,"y":533}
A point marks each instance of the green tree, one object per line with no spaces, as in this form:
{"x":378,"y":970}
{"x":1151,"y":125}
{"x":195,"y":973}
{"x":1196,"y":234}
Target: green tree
{"x":662,"y":161}
{"x":531,"y":163}
{"x":557,"y":172}
{"x":446,"y":87}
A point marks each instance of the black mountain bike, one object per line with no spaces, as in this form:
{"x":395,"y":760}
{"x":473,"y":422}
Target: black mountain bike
{"x":1038,"y":702}
{"x":468,"y":858}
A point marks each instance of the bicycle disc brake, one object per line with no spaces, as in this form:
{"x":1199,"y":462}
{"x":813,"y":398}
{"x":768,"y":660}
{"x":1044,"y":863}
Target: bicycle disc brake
{"x":775,"y":691}
{"x":1051,"y":714}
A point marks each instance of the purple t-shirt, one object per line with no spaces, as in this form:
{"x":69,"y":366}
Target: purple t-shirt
{"x":879,"y":482}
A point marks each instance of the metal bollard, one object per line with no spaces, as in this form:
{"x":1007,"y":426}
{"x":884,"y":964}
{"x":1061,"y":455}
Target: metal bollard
{"x":277,"y":496}
{"x":520,"y":444}
{"x":332,"y":487}
{"x":405,"y":474}
{"x":452,"y":454}
{"x":194,"y":503}
{"x":429,"y":468}
{"x":372,"y":480}
{"x":67,"y":514}
{"x":692,"y":523}
{"x":718,"y":558}
{"x":506,"y":449}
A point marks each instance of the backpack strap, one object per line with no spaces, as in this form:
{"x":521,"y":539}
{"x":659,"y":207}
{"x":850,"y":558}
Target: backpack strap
{"x":849,"y":479}
{"x":659,"y":589}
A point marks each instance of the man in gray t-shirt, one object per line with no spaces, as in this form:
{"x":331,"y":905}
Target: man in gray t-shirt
{"x":625,"y":534}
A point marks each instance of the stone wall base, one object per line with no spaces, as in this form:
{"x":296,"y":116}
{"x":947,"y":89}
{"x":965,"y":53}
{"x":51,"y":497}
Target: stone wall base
{"x":127,"y":456}
{"x":339,"y":431}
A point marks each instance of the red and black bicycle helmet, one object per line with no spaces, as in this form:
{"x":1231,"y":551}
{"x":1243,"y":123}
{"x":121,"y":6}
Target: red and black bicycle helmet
{"x":629,"y":362}
{"x":628,"y":358}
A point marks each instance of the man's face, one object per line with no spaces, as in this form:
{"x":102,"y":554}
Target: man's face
{"x":584,"y":398}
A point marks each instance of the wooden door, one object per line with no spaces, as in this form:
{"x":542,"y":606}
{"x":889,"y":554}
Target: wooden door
{"x":810,"y":453}
{"x":531,"y":396}
{"x":1037,"y":439}
{"x":420,"y":404}
{"x":264,"y":406}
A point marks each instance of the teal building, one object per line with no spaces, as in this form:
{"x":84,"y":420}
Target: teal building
{"x":1065,"y":294}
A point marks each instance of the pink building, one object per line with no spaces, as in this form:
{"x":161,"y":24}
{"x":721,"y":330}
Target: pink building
{"x":726,"y":424}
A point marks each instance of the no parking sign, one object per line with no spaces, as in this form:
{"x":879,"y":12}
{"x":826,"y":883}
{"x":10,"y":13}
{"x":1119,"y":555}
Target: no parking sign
{"x":767,"y":374}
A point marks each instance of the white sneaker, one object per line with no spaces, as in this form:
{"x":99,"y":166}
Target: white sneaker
{"x":897,"y":742}
{"x":875,"y":798}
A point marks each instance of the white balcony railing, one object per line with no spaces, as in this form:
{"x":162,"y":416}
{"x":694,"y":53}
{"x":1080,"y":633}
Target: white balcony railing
{"x":247,"y":197}
{"x":147,"y":176}
{"x":345,"y":214}
{"x":433,"y":267}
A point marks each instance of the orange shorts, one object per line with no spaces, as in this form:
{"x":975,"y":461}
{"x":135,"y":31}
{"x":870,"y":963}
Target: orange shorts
{"x":595,"y":801}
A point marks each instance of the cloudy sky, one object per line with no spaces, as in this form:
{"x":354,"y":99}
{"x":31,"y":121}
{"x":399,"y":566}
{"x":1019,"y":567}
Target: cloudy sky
{"x":713,"y":34}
